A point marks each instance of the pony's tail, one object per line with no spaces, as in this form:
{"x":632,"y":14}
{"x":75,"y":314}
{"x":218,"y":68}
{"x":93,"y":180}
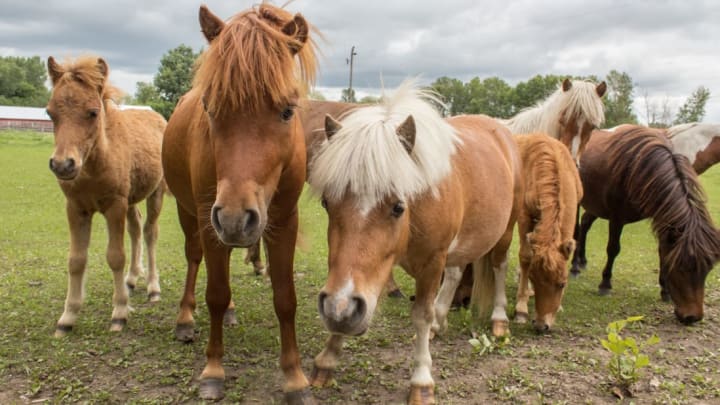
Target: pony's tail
{"x":483,"y":290}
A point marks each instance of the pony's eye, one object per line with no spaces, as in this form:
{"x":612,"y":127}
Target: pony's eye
{"x":287,"y":114}
{"x":561,"y":286}
{"x":398,"y":209}
{"x":92,"y":113}
{"x":323,"y":202}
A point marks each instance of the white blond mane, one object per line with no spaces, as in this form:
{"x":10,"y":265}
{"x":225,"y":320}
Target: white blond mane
{"x":366,"y":158}
{"x":581,"y":100}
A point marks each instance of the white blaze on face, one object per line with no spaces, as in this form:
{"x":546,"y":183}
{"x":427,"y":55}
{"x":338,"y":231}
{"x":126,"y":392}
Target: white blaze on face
{"x":575,"y":147}
{"x":344,"y":295}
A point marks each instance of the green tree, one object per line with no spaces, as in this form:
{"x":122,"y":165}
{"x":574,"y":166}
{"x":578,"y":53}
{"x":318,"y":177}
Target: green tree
{"x":173,"y":79}
{"x":694,"y":108}
{"x":527,"y":94}
{"x":369,"y":100}
{"x":454,"y":94}
{"x":22,"y":81}
{"x":619,"y":99}
{"x":492,"y":96}
{"x":348,"y":96}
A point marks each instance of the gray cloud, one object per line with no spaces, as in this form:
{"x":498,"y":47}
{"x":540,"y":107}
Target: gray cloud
{"x":668,"y":47}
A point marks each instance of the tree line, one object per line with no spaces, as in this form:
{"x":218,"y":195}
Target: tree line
{"x":22,"y":82}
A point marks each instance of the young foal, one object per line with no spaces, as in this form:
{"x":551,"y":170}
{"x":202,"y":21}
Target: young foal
{"x":545,"y":225}
{"x":633,"y":174}
{"x":234,"y":157}
{"x":403,"y":186}
{"x":106,"y":161}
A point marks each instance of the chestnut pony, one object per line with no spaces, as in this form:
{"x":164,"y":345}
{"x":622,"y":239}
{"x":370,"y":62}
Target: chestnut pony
{"x":105,"y":160}
{"x":403,"y":186}
{"x":546,"y":224}
{"x":234,"y":157}
{"x":633,"y":174}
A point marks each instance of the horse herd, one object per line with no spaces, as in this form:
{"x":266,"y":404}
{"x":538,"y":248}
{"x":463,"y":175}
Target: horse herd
{"x":400,"y":184}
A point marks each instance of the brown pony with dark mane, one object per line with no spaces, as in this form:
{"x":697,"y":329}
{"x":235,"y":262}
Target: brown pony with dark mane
{"x":632,"y":174}
{"x":545,"y":225}
{"x":234,"y":157}
{"x":106,"y":160}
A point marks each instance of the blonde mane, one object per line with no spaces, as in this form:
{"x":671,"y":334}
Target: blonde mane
{"x":250,"y":61}
{"x":580,"y":101}
{"x":84,"y":69}
{"x":366,"y":158}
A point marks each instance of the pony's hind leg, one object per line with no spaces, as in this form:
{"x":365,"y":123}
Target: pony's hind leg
{"x":135,"y":271}
{"x":80,"y":223}
{"x":185,"y":323}
{"x":115,"y":255}
{"x":150,"y":230}
{"x":444,"y":298}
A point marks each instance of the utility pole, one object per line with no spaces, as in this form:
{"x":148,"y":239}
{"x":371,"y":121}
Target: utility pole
{"x":350,"y":61}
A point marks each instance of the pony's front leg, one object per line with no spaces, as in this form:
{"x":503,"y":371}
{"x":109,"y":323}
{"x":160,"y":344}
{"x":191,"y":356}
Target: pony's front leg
{"x":327,"y":361}
{"x":115,"y":255}
{"x":500,"y":321}
{"x":80,"y":223}
{"x":281,"y":250}
{"x":253,"y":257}
{"x":185,"y":322}
{"x":523,"y":293}
{"x":217,"y":297}
{"x":450,"y":282}
{"x":422,"y":385}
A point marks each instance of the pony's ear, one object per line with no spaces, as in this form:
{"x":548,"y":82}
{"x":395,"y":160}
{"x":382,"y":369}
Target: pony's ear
{"x":567,"y":84}
{"x":102,"y":67}
{"x":331,"y":126}
{"x":54,"y":70}
{"x":567,"y":248}
{"x":406,"y":132}
{"x":601,"y":89}
{"x":210,"y":24}
{"x":297,"y":30}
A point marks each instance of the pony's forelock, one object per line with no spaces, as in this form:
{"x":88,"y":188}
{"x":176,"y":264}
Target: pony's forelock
{"x":367,"y":159}
{"x":84,"y":69}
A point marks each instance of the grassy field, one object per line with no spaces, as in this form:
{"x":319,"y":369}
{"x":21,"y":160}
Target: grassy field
{"x":144,"y":364}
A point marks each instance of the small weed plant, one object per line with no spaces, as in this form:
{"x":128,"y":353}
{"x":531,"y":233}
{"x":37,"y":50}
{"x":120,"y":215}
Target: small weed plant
{"x":627,"y":354}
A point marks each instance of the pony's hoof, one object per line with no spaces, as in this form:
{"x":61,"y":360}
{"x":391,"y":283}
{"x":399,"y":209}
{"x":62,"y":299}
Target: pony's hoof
{"x":396,"y":293}
{"x":229,"y":319}
{"x":500,"y":328}
{"x":302,"y":397}
{"x":154,"y":296}
{"x":321,"y":377}
{"x":421,"y":395}
{"x":604,"y":291}
{"x":62,"y":330}
{"x":212,"y":389}
{"x":185,"y":332}
{"x":521,"y":317}
{"x":117,"y":324}
{"x":260,"y":270}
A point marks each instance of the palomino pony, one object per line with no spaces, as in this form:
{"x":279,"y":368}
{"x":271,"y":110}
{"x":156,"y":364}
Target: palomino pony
{"x":106,"y":160}
{"x":546,"y":224}
{"x":234,"y":157}
{"x":632,"y":174}
{"x":698,"y":142}
{"x":403,"y":186}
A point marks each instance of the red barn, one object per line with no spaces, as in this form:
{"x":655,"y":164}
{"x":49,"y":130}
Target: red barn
{"x":32,"y":118}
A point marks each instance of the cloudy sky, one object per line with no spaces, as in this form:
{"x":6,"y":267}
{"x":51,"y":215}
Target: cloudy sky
{"x":669,"y":48}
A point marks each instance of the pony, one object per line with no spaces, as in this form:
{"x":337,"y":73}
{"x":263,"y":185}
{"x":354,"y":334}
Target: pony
{"x":107,"y":161}
{"x":569,"y":115}
{"x":312,"y":114}
{"x":633,"y":174}
{"x":234,"y":157}
{"x":699,"y":142}
{"x":552,"y":192}
{"x":401,"y":185}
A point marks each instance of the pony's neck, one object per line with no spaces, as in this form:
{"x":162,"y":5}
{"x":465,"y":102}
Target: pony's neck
{"x":541,"y":118}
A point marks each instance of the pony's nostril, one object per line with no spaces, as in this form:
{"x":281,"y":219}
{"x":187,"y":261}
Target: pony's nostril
{"x":251,"y":220}
{"x":321,"y":303}
{"x":52,"y":164}
{"x":215,"y":217}
{"x":359,"y":309}
{"x":70,"y":164}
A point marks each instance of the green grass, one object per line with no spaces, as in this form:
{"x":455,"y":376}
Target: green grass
{"x":145,"y":365}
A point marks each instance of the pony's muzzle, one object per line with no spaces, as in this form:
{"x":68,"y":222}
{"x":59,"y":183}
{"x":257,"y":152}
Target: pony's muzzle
{"x":344,"y":315}
{"x":688,"y":319}
{"x":242,"y":230}
{"x":64,"y":169}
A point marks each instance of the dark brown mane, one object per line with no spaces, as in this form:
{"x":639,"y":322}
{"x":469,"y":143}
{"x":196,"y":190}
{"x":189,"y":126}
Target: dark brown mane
{"x":85,"y":70}
{"x":664,"y":186}
{"x":251,"y":61}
